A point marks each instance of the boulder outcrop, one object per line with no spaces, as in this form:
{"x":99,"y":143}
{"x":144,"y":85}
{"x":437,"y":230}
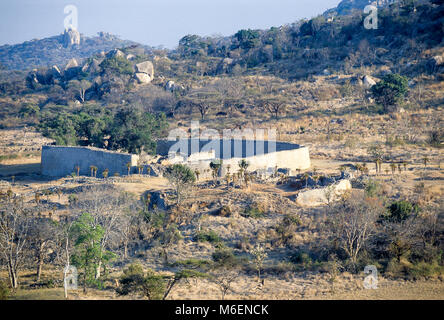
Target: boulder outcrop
{"x":71,"y":37}
{"x":323,"y":196}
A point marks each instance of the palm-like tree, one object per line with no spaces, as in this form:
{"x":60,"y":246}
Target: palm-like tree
{"x":393,"y":167}
{"x":215,"y":166}
{"x":128,"y":166}
{"x":425,"y":160}
{"x":91,"y":168}
{"x":77,"y":168}
{"x":306,"y":175}
{"x":105,"y":173}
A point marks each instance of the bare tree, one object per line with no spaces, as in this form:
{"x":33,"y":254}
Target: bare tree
{"x":224,"y":278}
{"x":42,"y":237}
{"x":352,"y":222}
{"x":14,"y":229}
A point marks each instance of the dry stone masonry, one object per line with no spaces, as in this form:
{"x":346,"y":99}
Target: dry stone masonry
{"x":59,"y":161}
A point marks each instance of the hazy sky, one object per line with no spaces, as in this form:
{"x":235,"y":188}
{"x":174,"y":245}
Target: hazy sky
{"x":151,"y":22}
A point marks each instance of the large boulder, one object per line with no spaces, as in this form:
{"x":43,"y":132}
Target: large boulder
{"x":71,"y":64}
{"x":142,"y":77}
{"x":71,"y":37}
{"x":322,"y":196}
{"x":145,"y":67}
{"x":368,"y":81}
{"x":115,"y":53}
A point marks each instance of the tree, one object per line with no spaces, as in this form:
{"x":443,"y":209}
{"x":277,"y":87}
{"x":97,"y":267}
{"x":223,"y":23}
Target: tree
{"x":352,"y":222}
{"x":42,"y":235}
{"x":134,"y":131}
{"x":390,"y":91}
{"x":259,"y":255}
{"x":273,"y":105}
{"x":248,"y":39}
{"x":80,"y":87}
{"x":153,"y":285}
{"x":243,"y":166}
{"x":181,"y":178}
{"x":15,"y":220}
{"x":215,"y":167}
{"x":87,"y":248}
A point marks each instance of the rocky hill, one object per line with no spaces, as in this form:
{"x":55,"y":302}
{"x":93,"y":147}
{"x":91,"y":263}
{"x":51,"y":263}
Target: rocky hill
{"x":57,"y":50}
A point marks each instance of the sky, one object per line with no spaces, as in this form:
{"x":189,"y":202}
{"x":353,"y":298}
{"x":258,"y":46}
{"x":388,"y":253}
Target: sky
{"x":151,"y":22}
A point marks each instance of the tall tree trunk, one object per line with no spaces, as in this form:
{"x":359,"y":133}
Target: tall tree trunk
{"x":39,"y":261}
{"x":12,"y":275}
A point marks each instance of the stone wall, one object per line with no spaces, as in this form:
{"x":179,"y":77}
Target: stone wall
{"x":58,"y":161}
{"x":259,"y":155}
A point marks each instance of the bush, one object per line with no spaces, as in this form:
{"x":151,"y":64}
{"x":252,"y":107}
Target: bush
{"x":255,"y":210}
{"x":224,"y":257}
{"x":208,"y":236}
{"x":390,"y":91}
{"x":425,"y":270}
{"x":400,"y":211}
{"x":117,"y":65}
{"x":224,"y":211}
{"x":300,"y":257}
{"x":4,"y":291}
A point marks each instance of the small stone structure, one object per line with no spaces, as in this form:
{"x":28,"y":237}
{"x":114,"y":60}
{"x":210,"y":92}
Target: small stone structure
{"x":58,"y":161}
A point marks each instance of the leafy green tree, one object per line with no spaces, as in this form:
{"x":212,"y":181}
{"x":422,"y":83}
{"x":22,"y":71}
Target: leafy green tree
{"x":87,"y":247}
{"x":181,"y":178}
{"x":248,"y":39}
{"x":134,"y":131}
{"x":390,"y":91}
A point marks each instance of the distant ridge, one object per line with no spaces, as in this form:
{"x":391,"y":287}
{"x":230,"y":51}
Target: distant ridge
{"x":57,"y":50}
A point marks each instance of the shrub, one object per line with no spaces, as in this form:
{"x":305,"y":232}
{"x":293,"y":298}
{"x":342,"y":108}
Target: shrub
{"x":224,"y":211}
{"x":255,"y":210}
{"x":372,"y":188}
{"x":224,"y":257}
{"x":300,"y":257}
{"x":400,"y":211}
{"x":117,"y":65}
{"x":208,"y":236}
{"x":425,"y":270}
{"x":4,"y":291}
{"x":390,"y":91}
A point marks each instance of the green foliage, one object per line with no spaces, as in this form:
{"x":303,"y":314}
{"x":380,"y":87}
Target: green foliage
{"x":192,"y":264}
{"x":253,"y":211}
{"x":128,"y":130}
{"x":4,"y":291}
{"x":372,"y":188}
{"x":391,"y":90}
{"x":300,"y":257}
{"x":29,"y":110}
{"x":248,"y":39}
{"x":224,"y":257}
{"x":88,"y":254}
{"x":118,"y":65}
{"x":153,"y":285}
{"x":134,"y":131}
{"x":401,"y":210}
{"x":135,"y":280}
{"x":181,"y":177}
{"x":208,"y":236}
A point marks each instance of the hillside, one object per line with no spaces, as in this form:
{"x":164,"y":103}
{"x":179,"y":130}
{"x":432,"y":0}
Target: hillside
{"x":367,"y":105}
{"x":56,"y":50}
